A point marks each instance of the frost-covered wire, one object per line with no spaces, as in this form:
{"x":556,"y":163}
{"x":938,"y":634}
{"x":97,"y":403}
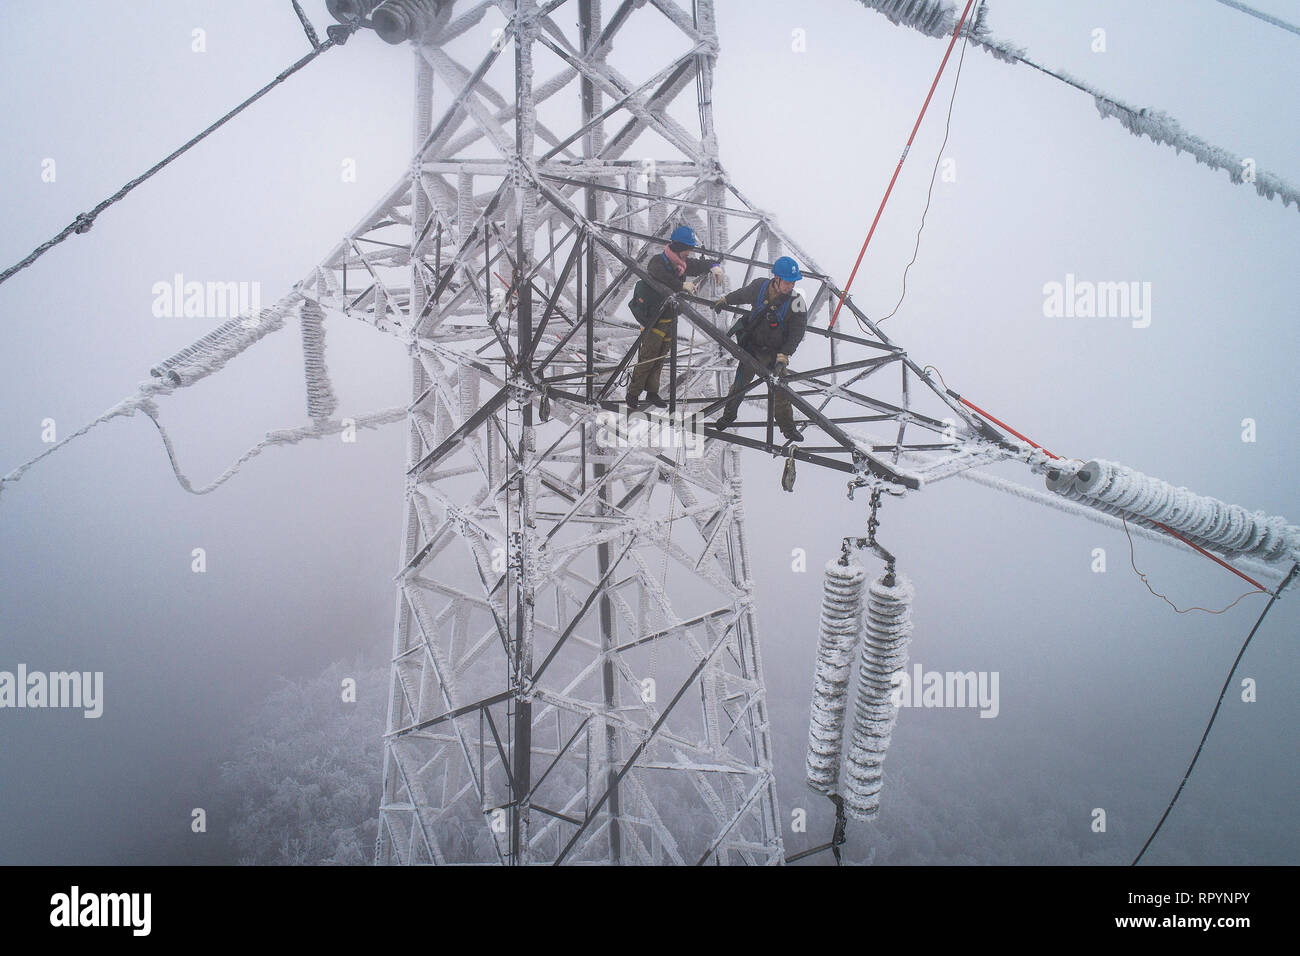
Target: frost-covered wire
{"x":937,"y":18}
{"x":209,"y":354}
{"x":286,"y":436}
{"x":1260,"y":15}
{"x":86,"y":220}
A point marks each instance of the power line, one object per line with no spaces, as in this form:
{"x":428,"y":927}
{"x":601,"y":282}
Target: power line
{"x":1132,"y":560}
{"x":1271,"y":601}
{"x":899,"y":168}
{"x":931,"y":18}
{"x":947,"y":128}
{"x":1261,"y":15}
{"x":338,"y":35}
{"x":312,"y":38}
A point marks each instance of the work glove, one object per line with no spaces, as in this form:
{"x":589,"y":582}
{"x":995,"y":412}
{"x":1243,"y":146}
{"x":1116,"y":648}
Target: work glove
{"x":719,"y":304}
{"x":688,"y":287}
{"x":718,"y":273}
{"x":782,"y":360}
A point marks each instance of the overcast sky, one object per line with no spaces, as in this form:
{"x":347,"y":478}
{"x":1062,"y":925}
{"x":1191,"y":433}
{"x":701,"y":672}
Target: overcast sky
{"x":1104,"y":689}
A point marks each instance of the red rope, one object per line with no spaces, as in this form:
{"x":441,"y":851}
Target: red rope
{"x":1165,"y":528}
{"x":1002,"y":424}
{"x":1214,"y":558}
{"x":951,"y":43}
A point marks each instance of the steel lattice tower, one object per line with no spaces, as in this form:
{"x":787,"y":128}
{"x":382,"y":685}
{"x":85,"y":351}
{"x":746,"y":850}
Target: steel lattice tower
{"x":576,"y":675}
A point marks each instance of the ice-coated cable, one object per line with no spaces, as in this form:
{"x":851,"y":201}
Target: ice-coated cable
{"x":938,"y":18}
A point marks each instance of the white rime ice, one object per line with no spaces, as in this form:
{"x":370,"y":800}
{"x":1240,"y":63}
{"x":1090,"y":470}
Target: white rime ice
{"x":209,"y":354}
{"x":1212,"y":523}
{"x":884,"y":653}
{"x":938,"y":18}
{"x":841,"y":623}
{"x":321,"y":401}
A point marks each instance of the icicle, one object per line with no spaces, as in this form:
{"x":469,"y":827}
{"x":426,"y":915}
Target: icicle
{"x":321,"y":401}
{"x":884,"y":653}
{"x":840,"y":624}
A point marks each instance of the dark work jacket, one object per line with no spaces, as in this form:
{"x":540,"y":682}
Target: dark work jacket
{"x":661,"y":271}
{"x":763,"y":333}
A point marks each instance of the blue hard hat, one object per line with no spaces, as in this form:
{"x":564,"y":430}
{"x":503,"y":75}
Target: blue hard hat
{"x":787,"y":269}
{"x":685,"y":235}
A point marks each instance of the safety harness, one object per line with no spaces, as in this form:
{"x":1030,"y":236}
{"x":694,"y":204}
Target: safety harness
{"x":748,"y":322}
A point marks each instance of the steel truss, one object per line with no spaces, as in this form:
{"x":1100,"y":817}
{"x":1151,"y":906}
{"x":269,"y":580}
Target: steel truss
{"x":576,"y":675}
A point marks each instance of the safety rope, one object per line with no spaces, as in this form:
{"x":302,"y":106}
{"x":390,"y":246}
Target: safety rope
{"x":938,"y":158}
{"x":899,"y":168}
{"x":338,"y":35}
{"x":1077,"y":510}
{"x":1163,"y":527}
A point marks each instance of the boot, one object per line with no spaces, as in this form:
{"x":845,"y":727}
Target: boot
{"x":654,"y":399}
{"x":791,"y":433}
{"x":632,"y":403}
{"x":725,"y":420}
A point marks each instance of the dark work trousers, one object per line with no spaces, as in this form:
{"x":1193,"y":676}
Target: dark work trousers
{"x":782,"y":411}
{"x":656,"y":346}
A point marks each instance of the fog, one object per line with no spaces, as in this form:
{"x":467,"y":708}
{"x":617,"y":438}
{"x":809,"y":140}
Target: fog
{"x":1104,"y":689}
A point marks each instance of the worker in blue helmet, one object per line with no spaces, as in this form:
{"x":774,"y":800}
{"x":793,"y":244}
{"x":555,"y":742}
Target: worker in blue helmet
{"x":770,"y":332}
{"x":675,"y":268}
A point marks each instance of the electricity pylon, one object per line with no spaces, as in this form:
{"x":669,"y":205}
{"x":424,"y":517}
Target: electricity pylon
{"x":576,"y":675}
